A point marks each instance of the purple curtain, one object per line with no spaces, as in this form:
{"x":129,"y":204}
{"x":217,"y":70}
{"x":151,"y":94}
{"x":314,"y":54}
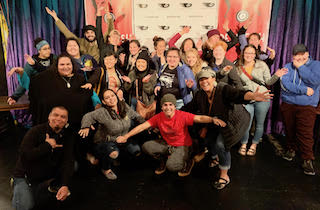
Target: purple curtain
{"x":292,"y":22}
{"x":29,"y":20}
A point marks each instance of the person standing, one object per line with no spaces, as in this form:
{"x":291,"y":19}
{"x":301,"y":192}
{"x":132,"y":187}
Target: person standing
{"x":300,"y":89}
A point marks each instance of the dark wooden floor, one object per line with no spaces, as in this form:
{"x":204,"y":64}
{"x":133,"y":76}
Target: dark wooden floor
{"x":265,"y":181}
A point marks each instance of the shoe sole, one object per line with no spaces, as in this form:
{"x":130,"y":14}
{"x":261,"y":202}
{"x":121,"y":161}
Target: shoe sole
{"x":186,"y":174}
{"x":309,"y":173}
{"x":160,"y":172}
{"x":288,"y":159}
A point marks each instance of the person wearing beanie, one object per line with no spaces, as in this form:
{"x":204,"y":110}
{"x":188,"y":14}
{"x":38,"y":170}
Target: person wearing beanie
{"x":145,"y":78}
{"x":176,"y":141}
{"x":213,"y":37}
{"x":300,"y":89}
{"x":88,"y":44}
{"x":227,"y":105}
{"x":37,"y":63}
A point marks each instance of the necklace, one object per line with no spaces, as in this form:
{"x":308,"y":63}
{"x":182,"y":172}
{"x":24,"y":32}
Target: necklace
{"x":67,"y":81}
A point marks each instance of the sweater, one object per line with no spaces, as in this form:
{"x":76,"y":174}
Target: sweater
{"x":86,"y":47}
{"x":184,"y":73}
{"x":39,"y":162}
{"x":294,"y":84}
{"x":261,"y":77}
{"x":227,"y":106}
{"x":230,"y":77}
{"x":110,"y":124}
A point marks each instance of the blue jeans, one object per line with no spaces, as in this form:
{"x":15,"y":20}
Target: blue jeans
{"x":133,"y":103}
{"x":259,"y":110}
{"x":22,"y":195}
{"x":104,"y":149}
{"x":217,"y":148}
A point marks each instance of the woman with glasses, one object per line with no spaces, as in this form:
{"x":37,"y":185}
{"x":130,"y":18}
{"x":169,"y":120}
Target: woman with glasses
{"x":255,"y":74}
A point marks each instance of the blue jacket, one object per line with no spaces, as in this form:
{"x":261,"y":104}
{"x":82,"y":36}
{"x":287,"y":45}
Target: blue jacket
{"x":184,"y":73}
{"x":294,"y":84}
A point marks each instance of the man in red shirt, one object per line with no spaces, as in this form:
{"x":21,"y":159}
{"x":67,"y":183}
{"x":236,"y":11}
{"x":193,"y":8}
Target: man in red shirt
{"x":175,"y":145}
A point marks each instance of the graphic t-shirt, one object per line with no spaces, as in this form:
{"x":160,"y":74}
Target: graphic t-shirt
{"x":169,"y":82}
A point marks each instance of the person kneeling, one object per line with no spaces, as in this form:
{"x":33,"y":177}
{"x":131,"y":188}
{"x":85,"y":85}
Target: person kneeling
{"x":176,"y":143}
{"x":45,"y":164}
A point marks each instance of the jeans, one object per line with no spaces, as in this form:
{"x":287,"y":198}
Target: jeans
{"x":103,"y":150}
{"x":259,"y":110}
{"x":133,"y":103}
{"x":218,"y":148}
{"x":22,"y":195}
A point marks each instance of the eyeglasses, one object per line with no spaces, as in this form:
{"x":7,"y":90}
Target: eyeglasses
{"x":172,"y":56}
{"x":45,"y":48}
{"x":247,"y":53}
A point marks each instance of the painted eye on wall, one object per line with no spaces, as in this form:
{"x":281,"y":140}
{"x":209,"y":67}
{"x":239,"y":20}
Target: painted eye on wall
{"x":208,"y":27}
{"x":187,"y":4}
{"x":143,"y":28}
{"x":143,"y":5}
{"x":209,"y":4}
{"x":164,"y":5}
{"x":165,"y":27}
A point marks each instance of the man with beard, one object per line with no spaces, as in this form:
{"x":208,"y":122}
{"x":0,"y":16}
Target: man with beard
{"x":45,"y":163}
{"x":88,"y":44}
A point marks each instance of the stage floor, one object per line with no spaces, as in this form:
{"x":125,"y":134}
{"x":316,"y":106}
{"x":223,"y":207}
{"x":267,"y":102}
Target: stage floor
{"x":265,"y":181}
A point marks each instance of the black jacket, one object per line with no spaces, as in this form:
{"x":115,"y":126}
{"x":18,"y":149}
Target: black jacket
{"x":39,"y":162}
{"x":227,"y":107}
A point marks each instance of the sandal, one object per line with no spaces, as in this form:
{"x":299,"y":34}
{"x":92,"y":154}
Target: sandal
{"x":213,"y":163}
{"x":92,"y":159}
{"x":220,"y":185}
{"x":252,"y":151}
{"x":109,"y":174}
{"x":242,"y":150}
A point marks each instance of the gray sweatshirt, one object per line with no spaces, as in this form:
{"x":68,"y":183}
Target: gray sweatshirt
{"x":109,"y":129}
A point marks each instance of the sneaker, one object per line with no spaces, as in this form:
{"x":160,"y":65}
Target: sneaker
{"x":308,"y":167}
{"x":187,"y":169}
{"x":161,"y":169}
{"x":109,"y":174}
{"x":289,"y":155}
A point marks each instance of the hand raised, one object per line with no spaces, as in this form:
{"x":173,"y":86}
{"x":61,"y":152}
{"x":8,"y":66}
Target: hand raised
{"x":52,"y":142}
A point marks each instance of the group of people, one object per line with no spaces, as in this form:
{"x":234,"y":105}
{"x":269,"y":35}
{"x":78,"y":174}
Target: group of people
{"x":197,"y":103}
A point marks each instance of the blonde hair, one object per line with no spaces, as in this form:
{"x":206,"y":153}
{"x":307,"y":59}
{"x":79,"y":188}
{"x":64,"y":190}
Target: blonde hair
{"x":198,"y":65}
{"x":114,"y":32}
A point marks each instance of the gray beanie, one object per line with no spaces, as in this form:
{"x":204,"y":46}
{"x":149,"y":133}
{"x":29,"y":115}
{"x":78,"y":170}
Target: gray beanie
{"x":168,"y":98}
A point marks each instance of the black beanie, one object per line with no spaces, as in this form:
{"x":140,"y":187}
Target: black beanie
{"x":144,"y":55}
{"x":88,"y":27}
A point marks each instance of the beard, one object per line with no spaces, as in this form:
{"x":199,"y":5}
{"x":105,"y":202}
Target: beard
{"x":91,"y":40}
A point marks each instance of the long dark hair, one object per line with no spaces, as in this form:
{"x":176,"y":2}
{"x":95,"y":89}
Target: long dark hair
{"x":121,"y":106}
{"x":184,"y":42}
{"x":72,"y":39}
{"x":241,"y":59}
